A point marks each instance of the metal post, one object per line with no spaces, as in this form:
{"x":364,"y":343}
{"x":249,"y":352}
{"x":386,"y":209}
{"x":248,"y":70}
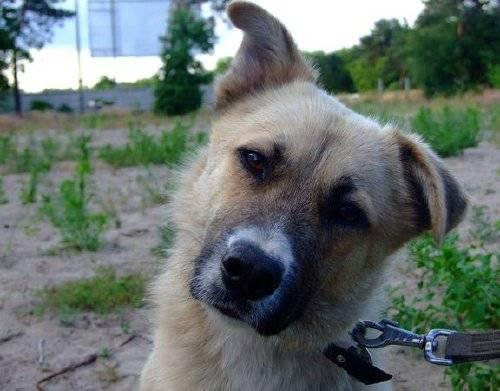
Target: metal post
{"x":78,"y":49}
{"x":113,"y":27}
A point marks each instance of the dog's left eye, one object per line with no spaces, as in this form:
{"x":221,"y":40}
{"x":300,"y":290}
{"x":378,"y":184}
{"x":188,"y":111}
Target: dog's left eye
{"x":350,"y":214}
{"x":254,"y":162}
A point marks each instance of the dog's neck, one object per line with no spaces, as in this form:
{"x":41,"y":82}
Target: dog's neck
{"x":233,"y":351}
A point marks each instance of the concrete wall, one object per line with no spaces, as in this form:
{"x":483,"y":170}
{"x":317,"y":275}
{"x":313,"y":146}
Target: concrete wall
{"x":131,"y":98}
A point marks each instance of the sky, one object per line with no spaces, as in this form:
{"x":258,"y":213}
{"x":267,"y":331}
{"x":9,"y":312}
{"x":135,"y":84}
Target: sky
{"x":315,"y":24}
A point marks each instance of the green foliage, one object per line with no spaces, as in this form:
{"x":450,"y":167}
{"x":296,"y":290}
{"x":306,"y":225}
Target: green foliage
{"x":36,"y":155}
{"x":6,"y":147}
{"x":458,"y":290}
{"x":29,"y":192}
{"x":105,"y":83}
{"x":363,"y":74}
{"x":454,"y":43}
{"x":103,"y":293}
{"x":177,"y":90}
{"x":3,"y":196}
{"x":94,"y":121}
{"x":37,"y":160}
{"x":450,"y":131}
{"x":333,"y":75}
{"x":68,"y":210}
{"x":494,"y":75}
{"x":143,"y":148}
{"x":65,"y":108}
{"x":40,"y":105}
{"x":379,"y":55}
{"x":222,"y":65}
{"x":24,"y":25}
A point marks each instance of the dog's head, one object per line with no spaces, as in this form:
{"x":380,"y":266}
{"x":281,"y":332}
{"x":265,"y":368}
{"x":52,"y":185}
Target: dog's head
{"x":306,"y":198}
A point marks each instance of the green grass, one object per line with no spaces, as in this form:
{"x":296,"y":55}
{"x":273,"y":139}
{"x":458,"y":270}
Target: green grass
{"x":3,"y":196}
{"x":448,"y":131}
{"x":144,"y":149}
{"x":458,"y":290}
{"x":448,"y":125}
{"x":68,"y":209}
{"x":94,"y":121}
{"x":29,"y":191}
{"x":36,"y":155}
{"x":103,"y":293}
{"x":5,"y":148}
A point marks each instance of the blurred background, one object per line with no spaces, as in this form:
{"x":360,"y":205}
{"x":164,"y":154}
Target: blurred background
{"x":101,"y":99}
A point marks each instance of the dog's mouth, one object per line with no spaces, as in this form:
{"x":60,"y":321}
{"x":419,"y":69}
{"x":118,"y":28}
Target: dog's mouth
{"x":254,"y":276}
{"x":267,"y":317}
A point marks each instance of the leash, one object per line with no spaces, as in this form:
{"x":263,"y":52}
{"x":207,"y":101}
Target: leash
{"x":460,"y":347}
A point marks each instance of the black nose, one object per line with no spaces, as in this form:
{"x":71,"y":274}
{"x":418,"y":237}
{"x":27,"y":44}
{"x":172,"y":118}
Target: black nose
{"x":249,"y":273}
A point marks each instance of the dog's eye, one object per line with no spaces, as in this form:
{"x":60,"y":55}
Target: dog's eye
{"x":254,"y":162}
{"x":350,"y":214}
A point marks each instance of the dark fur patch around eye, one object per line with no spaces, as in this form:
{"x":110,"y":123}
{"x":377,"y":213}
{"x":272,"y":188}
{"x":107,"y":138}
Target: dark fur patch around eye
{"x":270,"y":160}
{"x":333,"y":207}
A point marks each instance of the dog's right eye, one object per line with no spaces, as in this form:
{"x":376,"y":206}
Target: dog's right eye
{"x":254,"y":162}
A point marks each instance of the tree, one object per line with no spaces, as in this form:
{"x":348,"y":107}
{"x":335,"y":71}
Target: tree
{"x":24,"y":25}
{"x":4,"y":64}
{"x":222,"y":65}
{"x":333,"y":74}
{"x":105,"y":83}
{"x":455,"y":44}
{"x":177,"y":89}
{"x":380,"y":56}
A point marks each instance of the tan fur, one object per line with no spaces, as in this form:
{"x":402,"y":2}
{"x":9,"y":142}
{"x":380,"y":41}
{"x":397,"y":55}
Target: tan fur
{"x":275,"y":101}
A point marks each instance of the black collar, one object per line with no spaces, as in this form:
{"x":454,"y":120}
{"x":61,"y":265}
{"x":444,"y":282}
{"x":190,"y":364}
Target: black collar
{"x":357,"y":363}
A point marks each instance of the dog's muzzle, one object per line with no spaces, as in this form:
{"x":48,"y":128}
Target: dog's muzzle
{"x":252,"y":275}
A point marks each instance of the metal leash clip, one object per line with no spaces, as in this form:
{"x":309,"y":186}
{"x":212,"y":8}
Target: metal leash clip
{"x":392,"y":334}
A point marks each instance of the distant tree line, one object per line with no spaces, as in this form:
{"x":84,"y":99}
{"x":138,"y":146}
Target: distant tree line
{"x":454,"y":46}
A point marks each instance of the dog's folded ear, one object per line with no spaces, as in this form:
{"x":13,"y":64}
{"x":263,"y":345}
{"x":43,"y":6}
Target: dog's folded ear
{"x":267,"y":57}
{"x":437,"y":200}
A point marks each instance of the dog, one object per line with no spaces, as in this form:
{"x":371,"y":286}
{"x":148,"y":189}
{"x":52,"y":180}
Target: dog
{"x":284,"y":226}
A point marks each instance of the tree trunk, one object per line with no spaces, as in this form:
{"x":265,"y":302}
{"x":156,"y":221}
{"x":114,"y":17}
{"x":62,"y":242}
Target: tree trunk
{"x":17,"y":95}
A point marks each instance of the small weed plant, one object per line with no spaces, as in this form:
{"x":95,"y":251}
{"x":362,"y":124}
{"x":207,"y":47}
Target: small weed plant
{"x":36,"y":155}
{"x":68,"y":210}
{"x":448,"y":131}
{"x":3,"y":196}
{"x":6,"y":147}
{"x":103,"y":293}
{"x":145,"y":149}
{"x":29,"y":191}
{"x":459,"y":291}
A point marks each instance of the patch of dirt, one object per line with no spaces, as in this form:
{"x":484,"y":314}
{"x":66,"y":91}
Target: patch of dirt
{"x":33,"y":347}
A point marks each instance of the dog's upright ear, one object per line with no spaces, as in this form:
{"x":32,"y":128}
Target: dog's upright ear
{"x":437,"y":200}
{"x":267,"y":57}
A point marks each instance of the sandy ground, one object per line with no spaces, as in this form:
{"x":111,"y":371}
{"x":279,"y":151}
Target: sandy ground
{"x":33,"y":347}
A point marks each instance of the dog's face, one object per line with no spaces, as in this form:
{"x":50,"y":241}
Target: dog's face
{"x":306,"y":197}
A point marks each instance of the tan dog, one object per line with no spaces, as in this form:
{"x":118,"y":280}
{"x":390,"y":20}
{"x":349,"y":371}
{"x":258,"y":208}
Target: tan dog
{"x":283,"y":227}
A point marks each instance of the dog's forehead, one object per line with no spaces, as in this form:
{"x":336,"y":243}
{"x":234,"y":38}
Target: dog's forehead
{"x":310,"y":127}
